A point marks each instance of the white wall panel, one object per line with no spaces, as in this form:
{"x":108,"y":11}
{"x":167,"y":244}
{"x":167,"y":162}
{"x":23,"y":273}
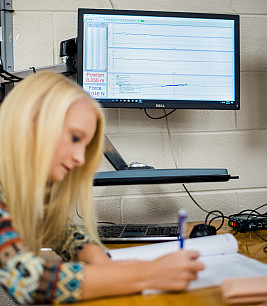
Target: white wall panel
{"x":33,"y":40}
{"x":58,"y":5}
{"x":206,"y":6}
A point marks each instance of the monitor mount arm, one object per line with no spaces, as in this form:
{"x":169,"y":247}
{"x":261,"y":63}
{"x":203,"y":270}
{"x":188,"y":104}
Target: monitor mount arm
{"x":113,"y":156}
{"x":117,"y":161}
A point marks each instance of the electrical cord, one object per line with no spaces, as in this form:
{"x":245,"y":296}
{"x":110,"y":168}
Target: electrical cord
{"x":106,"y":222}
{"x":9,"y":74}
{"x":9,"y":77}
{"x":221,"y":216}
{"x":176,"y":164}
{"x":161,"y":117}
{"x":253,"y":213}
{"x":99,"y":222}
{"x":69,"y":73}
{"x":77,"y":211}
{"x":249,"y":215}
{"x":7,"y":10}
{"x":112,"y":5}
{"x":33,"y":69}
{"x":12,"y":78}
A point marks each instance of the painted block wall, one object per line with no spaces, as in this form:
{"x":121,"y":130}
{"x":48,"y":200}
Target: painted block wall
{"x":236,"y":140}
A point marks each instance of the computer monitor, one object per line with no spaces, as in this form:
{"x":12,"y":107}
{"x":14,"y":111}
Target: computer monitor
{"x":152,"y":59}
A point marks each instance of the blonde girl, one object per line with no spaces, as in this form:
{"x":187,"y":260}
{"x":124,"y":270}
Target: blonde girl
{"x":51,"y":135}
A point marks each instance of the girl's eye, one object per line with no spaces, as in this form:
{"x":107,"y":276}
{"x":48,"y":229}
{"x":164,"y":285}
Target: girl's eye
{"x":75,"y":138}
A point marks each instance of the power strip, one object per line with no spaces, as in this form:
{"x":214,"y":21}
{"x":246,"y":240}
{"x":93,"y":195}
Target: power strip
{"x":246,"y":223}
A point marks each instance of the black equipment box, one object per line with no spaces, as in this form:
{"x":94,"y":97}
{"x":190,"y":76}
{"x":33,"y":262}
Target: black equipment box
{"x":247,"y":222}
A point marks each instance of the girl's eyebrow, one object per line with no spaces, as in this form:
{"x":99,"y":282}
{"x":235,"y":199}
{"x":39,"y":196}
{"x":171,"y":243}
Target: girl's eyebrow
{"x":78,"y":131}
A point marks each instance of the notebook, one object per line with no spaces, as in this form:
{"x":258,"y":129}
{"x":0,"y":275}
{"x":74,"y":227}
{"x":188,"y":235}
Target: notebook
{"x":219,"y":253}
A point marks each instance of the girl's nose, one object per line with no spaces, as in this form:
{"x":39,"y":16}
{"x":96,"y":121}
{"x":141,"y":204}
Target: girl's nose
{"x":79,"y":157}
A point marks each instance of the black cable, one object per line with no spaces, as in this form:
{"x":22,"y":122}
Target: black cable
{"x":252,"y":214}
{"x":100,"y":222}
{"x":161,"y":117}
{"x":106,"y":222}
{"x":77,"y":212}
{"x":7,"y":76}
{"x":259,"y":208}
{"x":221,"y":216}
{"x":33,"y":69}
{"x":213,"y":212}
{"x":7,"y":10}
{"x":260,"y":236}
{"x":12,"y":78}
{"x":176,"y":165}
{"x":69,"y":73}
{"x":250,"y":211}
{"x":244,"y":212}
{"x":8,"y":79}
{"x":192,"y":198}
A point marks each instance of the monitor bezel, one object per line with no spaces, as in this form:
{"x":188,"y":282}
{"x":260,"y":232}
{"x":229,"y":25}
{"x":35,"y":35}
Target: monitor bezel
{"x":163,"y":104}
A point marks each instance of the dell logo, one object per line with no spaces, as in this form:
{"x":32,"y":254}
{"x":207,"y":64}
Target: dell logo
{"x":160,"y":105}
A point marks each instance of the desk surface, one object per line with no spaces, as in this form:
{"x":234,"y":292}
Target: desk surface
{"x":249,"y":244}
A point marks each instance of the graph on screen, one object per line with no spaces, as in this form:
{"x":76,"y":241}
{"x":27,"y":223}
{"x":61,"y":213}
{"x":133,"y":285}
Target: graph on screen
{"x":144,"y":57}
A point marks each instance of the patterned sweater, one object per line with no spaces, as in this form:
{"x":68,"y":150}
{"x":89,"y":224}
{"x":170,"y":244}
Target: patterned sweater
{"x":29,"y":279}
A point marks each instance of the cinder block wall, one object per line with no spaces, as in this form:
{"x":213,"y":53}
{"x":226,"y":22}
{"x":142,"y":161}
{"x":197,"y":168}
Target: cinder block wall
{"x":236,"y":140}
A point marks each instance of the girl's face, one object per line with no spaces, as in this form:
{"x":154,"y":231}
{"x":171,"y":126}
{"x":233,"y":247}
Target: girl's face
{"x":78,"y":131}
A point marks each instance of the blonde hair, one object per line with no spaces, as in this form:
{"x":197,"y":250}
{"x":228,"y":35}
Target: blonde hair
{"x":31,"y":119}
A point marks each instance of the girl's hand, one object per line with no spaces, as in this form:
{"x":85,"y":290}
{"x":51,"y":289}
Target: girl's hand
{"x":175,"y":271}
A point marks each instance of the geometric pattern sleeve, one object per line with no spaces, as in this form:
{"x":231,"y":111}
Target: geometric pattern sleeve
{"x":29,"y":279}
{"x":71,"y":241}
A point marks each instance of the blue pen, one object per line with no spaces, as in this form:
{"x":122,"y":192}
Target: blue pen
{"x":182,"y":215}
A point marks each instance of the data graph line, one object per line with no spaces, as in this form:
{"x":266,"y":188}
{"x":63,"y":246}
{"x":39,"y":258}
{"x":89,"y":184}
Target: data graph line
{"x":170,"y":61}
{"x":174,"y":85}
{"x":172,"y":36}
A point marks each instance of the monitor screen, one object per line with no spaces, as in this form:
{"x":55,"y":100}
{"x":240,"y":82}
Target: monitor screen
{"x":152,"y":59}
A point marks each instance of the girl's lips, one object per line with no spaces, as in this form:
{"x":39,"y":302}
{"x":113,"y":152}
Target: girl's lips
{"x":67,"y":168}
